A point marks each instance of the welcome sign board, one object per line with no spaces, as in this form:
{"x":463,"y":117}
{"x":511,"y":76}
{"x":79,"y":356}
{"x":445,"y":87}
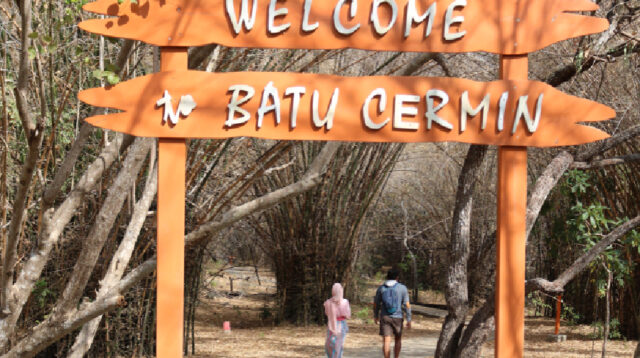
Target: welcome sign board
{"x":498,"y":26}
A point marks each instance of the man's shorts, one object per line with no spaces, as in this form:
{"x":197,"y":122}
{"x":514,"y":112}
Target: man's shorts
{"x":390,"y":326}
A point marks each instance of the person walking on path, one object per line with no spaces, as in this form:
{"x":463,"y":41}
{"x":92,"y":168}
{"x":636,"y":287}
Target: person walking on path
{"x":392,"y":298}
{"x":338,"y":312}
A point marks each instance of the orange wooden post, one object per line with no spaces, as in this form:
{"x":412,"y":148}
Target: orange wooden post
{"x":558,"y":311}
{"x":171,"y":216}
{"x":512,"y":208}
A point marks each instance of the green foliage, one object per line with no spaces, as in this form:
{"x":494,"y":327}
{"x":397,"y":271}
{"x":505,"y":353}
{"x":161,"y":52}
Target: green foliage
{"x":614,"y":329}
{"x":588,"y":223}
{"x":42,"y":293}
{"x":111,"y":77}
{"x":569,"y":314}
{"x":404,"y":267}
{"x":265,"y":313}
{"x":577,"y":181}
{"x":537,"y":301}
{"x":364,"y":314}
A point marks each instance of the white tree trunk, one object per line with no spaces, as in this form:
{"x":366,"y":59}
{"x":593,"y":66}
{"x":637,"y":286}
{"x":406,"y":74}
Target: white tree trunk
{"x":54,"y":224}
{"x":63,"y":323}
{"x":119,"y":262}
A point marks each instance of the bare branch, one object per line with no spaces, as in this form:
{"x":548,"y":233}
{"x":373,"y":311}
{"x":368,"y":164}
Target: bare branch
{"x":609,"y":143}
{"x":24,"y":72}
{"x":119,"y":262}
{"x":61,"y":324}
{"x":311,"y":178}
{"x":55,"y":222}
{"x":34,"y":134}
{"x":544,"y":184}
{"x":53,"y":189}
{"x":607,"y":162}
{"x":92,"y":245}
{"x":199,"y":54}
{"x":57,"y":326}
{"x":557,"y":286}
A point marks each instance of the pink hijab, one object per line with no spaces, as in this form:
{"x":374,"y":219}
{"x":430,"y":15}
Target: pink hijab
{"x":336,"y":306}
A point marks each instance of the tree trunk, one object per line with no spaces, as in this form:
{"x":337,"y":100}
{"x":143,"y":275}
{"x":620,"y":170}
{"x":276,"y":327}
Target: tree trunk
{"x":55,"y":222}
{"x":99,"y":233}
{"x":57,"y":327}
{"x":456,"y":291}
{"x":414,"y":265}
{"x":478,"y":330}
{"x":607,"y":311}
{"x":482,"y":321}
{"x":119,"y":263}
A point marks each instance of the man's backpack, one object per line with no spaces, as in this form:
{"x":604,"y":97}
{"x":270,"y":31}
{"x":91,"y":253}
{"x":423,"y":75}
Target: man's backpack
{"x":390,"y":299}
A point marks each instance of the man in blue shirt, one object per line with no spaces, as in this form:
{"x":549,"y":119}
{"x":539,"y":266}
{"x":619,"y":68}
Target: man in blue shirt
{"x":388,"y":307}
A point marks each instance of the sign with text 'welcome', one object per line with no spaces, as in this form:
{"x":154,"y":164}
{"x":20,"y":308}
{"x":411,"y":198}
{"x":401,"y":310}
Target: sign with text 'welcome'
{"x":498,"y":26}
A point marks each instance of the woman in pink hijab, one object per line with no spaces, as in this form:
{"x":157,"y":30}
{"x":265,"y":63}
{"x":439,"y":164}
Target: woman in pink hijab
{"x":338,"y":311}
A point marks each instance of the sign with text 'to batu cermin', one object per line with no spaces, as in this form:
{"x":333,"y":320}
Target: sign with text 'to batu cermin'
{"x":192,"y":104}
{"x":498,"y":26}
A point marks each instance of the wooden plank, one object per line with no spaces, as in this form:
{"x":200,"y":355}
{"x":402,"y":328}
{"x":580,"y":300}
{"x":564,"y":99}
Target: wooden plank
{"x":428,"y":311}
{"x":172,"y":157}
{"x":406,"y":121}
{"x":511,"y":234}
{"x":498,"y":26}
{"x":171,"y":213}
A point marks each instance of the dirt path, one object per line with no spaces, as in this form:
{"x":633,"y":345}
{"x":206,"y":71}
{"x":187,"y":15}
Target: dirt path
{"x":254,"y":335}
{"x":411,"y":348}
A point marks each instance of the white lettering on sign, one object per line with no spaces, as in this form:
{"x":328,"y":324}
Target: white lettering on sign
{"x":295,"y":93}
{"x":399,"y":110}
{"x":353,"y":10}
{"x":431,"y":110}
{"x":523,"y":112}
{"x":375,"y":19}
{"x":404,"y":114}
{"x":450,"y":20}
{"x":502,"y":106}
{"x":244,"y":17}
{"x":236,"y":102}
{"x":270,"y":94}
{"x":414,"y":18}
{"x":273,"y":13}
{"x":327,"y":121}
{"x":467,"y":110}
{"x":306,"y":27}
{"x":186,"y":105}
{"x":382,"y":105}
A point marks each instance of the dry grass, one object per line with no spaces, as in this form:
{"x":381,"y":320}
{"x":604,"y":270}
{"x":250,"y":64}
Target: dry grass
{"x":579,"y":342}
{"x":254,"y":335}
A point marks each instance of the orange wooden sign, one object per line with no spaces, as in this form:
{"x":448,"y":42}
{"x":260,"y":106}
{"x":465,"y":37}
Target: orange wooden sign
{"x":498,"y":26}
{"x":286,"y":106}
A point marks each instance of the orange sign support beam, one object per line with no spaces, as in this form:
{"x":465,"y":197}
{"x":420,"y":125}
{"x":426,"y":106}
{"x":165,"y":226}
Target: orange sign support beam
{"x":511,"y":235}
{"x":558,"y":313}
{"x":172,"y":155}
